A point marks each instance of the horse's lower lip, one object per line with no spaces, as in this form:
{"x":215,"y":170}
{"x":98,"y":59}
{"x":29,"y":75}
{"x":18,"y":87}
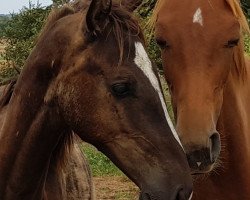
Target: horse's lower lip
{"x":204,"y":170}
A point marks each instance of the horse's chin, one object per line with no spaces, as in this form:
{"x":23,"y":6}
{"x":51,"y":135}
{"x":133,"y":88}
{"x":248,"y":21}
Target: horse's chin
{"x":203,"y":169}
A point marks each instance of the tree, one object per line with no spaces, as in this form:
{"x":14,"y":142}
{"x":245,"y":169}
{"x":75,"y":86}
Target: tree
{"x":59,"y":2}
{"x":19,"y":33}
{"x":246,"y":7}
{"x":3,"y":21}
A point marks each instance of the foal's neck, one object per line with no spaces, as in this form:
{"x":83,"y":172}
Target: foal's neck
{"x":26,"y":145}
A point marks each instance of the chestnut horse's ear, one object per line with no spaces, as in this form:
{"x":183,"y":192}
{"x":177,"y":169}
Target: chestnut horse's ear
{"x":97,"y":15}
{"x":131,"y":5}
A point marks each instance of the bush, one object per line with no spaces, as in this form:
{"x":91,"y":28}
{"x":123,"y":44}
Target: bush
{"x":3,"y":21}
{"x":20,"y":33}
{"x":245,"y":4}
{"x":144,"y":13}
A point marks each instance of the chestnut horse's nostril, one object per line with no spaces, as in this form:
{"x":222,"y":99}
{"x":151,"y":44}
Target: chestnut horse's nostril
{"x":201,"y":157}
{"x":215,"y":146}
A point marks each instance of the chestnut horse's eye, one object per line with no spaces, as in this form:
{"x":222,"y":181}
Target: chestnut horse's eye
{"x":121,"y":89}
{"x":232,"y":43}
{"x":162,"y":44}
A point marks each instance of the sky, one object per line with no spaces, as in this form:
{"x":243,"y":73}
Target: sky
{"x":8,"y":6}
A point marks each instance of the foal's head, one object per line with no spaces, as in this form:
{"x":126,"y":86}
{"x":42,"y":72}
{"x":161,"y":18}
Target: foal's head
{"x":108,"y":92}
{"x":201,"y":45}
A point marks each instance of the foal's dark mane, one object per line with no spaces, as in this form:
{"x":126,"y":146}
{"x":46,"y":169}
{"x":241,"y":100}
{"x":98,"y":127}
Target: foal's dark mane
{"x":122,"y":24}
{"x":7,"y":93}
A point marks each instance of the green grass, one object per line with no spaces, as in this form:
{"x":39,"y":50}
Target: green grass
{"x":124,"y":195}
{"x":99,"y":163}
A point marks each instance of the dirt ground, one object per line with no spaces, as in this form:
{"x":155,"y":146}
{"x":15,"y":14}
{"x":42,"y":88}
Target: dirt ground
{"x":115,"y":188}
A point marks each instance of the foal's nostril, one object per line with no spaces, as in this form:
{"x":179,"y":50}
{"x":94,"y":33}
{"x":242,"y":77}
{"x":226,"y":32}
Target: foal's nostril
{"x":144,"y":196}
{"x":215,"y":146}
{"x":183,"y":194}
{"x":180,"y":195}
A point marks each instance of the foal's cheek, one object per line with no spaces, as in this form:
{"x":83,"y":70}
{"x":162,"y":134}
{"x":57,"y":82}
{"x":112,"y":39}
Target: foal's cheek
{"x":73,"y":96}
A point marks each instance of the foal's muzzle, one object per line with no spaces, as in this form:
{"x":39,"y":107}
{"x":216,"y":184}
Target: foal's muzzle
{"x":179,"y":193}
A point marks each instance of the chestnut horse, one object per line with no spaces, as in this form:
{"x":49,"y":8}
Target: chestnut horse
{"x":209,"y":79}
{"x":89,"y":73}
{"x":73,"y":181}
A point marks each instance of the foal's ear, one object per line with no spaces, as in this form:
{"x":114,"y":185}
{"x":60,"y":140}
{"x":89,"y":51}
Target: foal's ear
{"x":97,"y":15}
{"x":131,"y":5}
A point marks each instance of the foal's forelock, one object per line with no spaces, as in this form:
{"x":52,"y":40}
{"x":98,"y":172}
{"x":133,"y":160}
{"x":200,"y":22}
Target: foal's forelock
{"x":120,"y":18}
{"x":144,"y":64}
{"x":120,"y":23}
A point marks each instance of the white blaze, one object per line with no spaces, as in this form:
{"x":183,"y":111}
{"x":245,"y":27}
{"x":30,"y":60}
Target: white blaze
{"x":143,"y":62}
{"x":197,"y":18}
{"x":191,"y":196}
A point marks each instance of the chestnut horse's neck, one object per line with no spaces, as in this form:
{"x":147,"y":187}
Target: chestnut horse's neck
{"x":232,"y":178}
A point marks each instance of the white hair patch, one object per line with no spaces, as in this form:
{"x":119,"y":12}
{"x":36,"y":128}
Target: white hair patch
{"x":191,"y":196}
{"x":143,"y":62}
{"x":197,"y":18}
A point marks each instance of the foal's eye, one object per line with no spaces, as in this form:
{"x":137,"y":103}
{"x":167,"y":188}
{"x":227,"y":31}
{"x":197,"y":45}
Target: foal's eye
{"x":162,"y":44}
{"x":232,"y":43}
{"x":121,"y":89}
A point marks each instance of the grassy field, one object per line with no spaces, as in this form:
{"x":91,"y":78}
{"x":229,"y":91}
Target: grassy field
{"x":100,"y":164}
{"x":110,"y":183}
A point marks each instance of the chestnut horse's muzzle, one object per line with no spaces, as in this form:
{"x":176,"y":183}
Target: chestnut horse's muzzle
{"x":201,"y":159}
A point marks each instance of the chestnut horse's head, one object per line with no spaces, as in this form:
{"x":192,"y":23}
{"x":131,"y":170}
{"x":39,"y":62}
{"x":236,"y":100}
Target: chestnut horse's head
{"x":201,"y":46}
